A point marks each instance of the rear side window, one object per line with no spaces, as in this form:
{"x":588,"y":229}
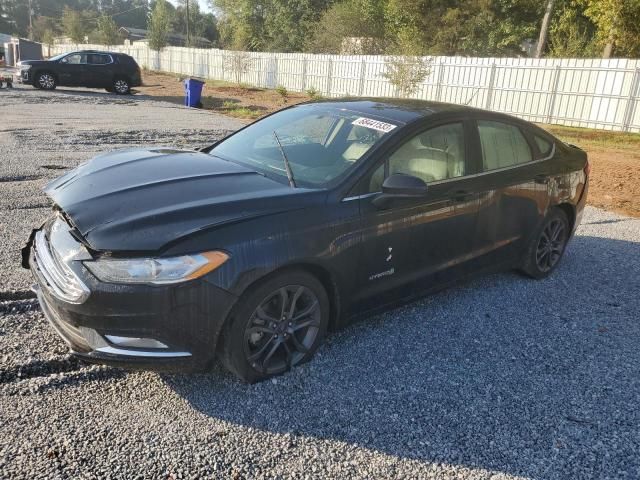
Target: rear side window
{"x":98,"y":59}
{"x":544,"y":145}
{"x":503,"y":145}
{"x":127,"y":60}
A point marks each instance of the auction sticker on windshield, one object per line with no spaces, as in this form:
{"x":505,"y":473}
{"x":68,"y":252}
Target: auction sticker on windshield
{"x":374,"y":124}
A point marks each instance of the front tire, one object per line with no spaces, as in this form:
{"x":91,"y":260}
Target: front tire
{"x":45,"y":81}
{"x":547,"y":245}
{"x":277,"y":326}
{"x":121,"y":86}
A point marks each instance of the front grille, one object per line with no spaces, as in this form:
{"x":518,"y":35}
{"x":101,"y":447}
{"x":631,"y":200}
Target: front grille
{"x":59,"y":279}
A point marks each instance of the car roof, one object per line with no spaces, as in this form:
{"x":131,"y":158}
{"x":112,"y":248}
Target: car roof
{"x":401,"y":110}
{"x":98,"y":51}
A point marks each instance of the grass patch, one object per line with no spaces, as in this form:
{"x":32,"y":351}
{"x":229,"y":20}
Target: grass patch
{"x":239,"y":111}
{"x":595,"y":138}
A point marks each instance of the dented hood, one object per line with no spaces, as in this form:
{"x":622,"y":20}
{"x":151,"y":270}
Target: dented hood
{"x":142,"y":199}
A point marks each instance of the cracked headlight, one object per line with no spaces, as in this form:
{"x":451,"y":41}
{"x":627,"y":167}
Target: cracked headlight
{"x":156,"y":270}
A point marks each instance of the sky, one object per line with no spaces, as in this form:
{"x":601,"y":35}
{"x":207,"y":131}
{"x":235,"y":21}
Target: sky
{"x":204,"y":5}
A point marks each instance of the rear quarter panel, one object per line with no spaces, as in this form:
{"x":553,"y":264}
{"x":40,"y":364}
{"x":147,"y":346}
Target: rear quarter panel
{"x":570,"y":181}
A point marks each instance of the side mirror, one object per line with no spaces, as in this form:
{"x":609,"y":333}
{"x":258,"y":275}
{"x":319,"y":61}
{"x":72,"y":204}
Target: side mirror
{"x":400,"y":186}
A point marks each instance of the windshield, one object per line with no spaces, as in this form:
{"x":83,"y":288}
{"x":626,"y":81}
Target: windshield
{"x":321,"y":143}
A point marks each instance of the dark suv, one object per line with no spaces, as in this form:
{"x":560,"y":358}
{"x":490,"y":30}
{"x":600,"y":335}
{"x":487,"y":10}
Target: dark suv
{"x":115,"y":72}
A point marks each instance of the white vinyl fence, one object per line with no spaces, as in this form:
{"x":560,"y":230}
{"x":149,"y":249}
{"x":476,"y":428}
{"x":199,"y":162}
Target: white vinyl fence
{"x":589,"y":93}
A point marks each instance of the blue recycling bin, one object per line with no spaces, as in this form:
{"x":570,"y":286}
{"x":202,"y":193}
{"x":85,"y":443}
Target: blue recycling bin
{"x":193,"y":92}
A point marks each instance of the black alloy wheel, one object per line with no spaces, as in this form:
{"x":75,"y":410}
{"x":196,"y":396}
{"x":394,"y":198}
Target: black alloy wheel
{"x":279,"y":326}
{"x":551,"y":245}
{"x":45,"y":81}
{"x":121,"y":86}
{"x":282,"y":329}
{"x":548,"y":245}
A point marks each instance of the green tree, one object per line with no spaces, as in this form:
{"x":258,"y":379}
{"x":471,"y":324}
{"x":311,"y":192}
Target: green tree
{"x":127,"y":13}
{"x":197,"y":23}
{"x":279,"y":25}
{"x":465,"y":27}
{"x":361,"y":19}
{"x":107,"y":31}
{"x":210,"y":27}
{"x":159,"y":25}
{"x":241,"y":24}
{"x":618,"y":28}
{"x":572,"y":34}
{"x":6,"y":22}
{"x":74,"y":25}
{"x":44,"y":29}
{"x":288,"y":23}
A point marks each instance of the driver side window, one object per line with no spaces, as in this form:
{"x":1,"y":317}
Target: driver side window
{"x":433,"y":155}
{"x":75,"y":59}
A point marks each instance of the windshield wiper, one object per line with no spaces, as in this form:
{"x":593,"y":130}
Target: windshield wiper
{"x":287,"y":166}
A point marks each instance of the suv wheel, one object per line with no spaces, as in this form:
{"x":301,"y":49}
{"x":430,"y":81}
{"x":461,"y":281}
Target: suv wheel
{"x":121,"y":86}
{"x":278,"y":325}
{"x":45,"y":81}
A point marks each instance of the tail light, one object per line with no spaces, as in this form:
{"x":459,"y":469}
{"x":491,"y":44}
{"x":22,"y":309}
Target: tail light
{"x":587,"y":168}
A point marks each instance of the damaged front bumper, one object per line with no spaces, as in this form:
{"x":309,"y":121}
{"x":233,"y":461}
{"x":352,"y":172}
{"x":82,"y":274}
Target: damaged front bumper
{"x":158,"y":327}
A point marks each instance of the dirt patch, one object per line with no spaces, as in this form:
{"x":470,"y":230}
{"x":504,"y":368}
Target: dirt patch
{"x":237,"y":101}
{"x":615,"y":166}
{"x":615,"y":181}
{"x":614,"y":157}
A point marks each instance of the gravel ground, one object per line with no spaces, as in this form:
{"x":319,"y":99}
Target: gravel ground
{"x":500,"y":378}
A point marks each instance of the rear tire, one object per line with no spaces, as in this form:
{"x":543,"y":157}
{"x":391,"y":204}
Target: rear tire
{"x":121,"y":86}
{"x":547,"y":245}
{"x":45,"y":81}
{"x":277,"y":325}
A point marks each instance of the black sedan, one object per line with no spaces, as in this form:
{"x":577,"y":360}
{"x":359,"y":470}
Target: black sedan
{"x":115,"y":72}
{"x":252,"y":248}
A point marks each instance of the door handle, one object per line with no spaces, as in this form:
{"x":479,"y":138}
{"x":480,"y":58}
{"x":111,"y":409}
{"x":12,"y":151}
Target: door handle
{"x":541,"y":178}
{"x":461,"y":196}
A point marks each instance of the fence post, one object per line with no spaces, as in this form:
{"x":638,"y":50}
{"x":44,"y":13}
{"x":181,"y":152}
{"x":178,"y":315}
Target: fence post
{"x":631,"y":101}
{"x":492,"y":79}
{"x":440,"y":80}
{"x":329,"y":77}
{"x":304,"y":74}
{"x":554,"y":92}
{"x":276,"y":70}
{"x":363,"y":69}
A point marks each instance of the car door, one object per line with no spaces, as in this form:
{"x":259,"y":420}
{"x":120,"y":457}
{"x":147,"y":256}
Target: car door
{"x":513,"y":186}
{"x":72,"y":69}
{"x":415,"y":239}
{"x":99,"y":70}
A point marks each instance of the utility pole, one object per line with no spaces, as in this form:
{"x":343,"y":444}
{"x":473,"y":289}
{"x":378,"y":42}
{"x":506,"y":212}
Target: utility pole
{"x":544,"y":29}
{"x":188,"y":39}
{"x":30,"y":21}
